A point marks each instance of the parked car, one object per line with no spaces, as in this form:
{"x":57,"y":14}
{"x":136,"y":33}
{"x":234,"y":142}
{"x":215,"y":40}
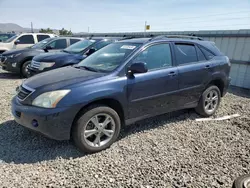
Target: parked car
{"x":18,"y":61}
{"x":69,"y":56}
{"x":23,"y":40}
{"x":5,"y":36}
{"x":120,"y":84}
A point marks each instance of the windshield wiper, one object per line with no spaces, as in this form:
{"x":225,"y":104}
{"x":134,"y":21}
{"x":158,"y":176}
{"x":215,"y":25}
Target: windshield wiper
{"x":66,"y":51}
{"x":87,"y":68}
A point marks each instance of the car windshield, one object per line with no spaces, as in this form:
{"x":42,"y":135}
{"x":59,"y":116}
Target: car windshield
{"x":11,"y":39}
{"x":108,"y":58}
{"x":79,"y":46}
{"x":42,"y":43}
{"x":4,"y":37}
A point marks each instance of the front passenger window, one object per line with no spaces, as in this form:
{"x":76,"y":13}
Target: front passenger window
{"x":156,"y":56}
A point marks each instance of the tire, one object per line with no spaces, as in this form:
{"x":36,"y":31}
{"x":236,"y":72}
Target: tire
{"x":86,"y":134}
{"x":24,"y":70}
{"x":208,"y":105}
{"x":242,"y":182}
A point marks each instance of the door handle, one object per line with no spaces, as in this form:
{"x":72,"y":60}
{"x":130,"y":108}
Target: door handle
{"x":172,"y":73}
{"x":207,"y":67}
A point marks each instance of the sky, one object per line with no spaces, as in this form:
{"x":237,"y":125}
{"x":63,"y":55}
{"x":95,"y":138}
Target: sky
{"x":127,"y":15}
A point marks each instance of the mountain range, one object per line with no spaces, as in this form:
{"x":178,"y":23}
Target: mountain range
{"x":12,"y":27}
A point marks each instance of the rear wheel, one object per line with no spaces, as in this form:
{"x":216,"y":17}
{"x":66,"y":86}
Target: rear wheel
{"x":209,"y":101}
{"x":25,"y":70}
{"x":96,"y":129}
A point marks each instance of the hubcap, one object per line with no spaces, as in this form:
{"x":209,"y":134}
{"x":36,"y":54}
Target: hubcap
{"x":211,"y":101}
{"x":99,"y":130}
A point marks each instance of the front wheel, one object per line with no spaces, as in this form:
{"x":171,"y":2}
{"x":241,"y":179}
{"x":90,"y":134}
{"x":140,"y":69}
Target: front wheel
{"x":209,"y":101}
{"x":96,"y":129}
{"x":25,"y":70}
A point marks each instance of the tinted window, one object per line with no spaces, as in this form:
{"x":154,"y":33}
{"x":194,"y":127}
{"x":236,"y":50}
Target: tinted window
{"x":208,"y":54}
{"x":42,"y":37}
{"x":26,"y":39}
{"x":42,"y":43}
{"x":58,"y":44}
{"x":185,"y":53}
{"x":79,"y":46}
{"x":200,"y":54}
{"x":101,"y":44}
{"x":73,"y":41}
{"x":157,"y":56}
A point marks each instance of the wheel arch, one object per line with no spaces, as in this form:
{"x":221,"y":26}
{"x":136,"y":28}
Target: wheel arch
{"x":219,"y":83}
{"x":110,"y":102}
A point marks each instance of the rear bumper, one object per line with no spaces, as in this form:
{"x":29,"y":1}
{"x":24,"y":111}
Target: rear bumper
{"x":54,"y":123}
{"x":227,"y":84}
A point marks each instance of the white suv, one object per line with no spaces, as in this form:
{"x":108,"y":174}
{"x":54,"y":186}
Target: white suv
{"x":23,"y":40}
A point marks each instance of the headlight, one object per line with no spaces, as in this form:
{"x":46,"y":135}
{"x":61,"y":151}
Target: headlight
{"x":14,"y":55}
{"x":49,"y":99}
{"x":44,"y":65}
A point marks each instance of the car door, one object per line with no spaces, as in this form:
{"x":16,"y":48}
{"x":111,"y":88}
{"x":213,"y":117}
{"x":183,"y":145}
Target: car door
{"x":24,"y":41}
{"x":153,"y":92}
{"x":194,"y":71}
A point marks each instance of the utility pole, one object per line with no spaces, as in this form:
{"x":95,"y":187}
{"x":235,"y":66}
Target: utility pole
{"x":32,"y":31}
{"x":145,"y":28}
{"x":88,"y":29}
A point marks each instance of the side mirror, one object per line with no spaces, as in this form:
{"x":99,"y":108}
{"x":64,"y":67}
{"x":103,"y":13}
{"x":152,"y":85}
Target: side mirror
{"x":46,"y":48}
{"x":90,"y":51}
{"x":17,"y":42}
{"x":139,"y":67}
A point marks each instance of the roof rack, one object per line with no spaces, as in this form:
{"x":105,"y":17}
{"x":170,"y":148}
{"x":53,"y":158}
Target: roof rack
{"x":192,"y":37}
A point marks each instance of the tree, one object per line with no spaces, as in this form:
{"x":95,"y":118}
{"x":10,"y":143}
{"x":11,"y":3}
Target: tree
{"x":48,"y":30}
{"x":65,"y":32}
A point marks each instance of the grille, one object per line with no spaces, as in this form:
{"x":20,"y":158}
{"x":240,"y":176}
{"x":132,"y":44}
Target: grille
{"x":18,"y":114}
{"x":23,"y":93}
{"x":2,"y":59}
{"x":35,"y":64}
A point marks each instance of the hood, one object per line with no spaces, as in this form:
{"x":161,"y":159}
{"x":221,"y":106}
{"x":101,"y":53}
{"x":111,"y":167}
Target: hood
{"x":58,"y":56}
{"x":10,"y":52}
{"x":59,"y":78}
{"x":5,"y":46}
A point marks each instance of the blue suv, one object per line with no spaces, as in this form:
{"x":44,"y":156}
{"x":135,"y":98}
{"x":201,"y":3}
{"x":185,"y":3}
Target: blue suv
{"x":122,"y":83}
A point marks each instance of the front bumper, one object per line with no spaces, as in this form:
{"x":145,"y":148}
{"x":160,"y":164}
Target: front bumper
{"x":34,"y":71}
{"x":7,"y":65}
{"x":54,"y":123}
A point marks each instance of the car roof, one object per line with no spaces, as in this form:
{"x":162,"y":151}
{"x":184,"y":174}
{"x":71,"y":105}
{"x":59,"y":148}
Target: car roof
{"x":102,"y":38}
{"x":67,"y":38}
{"x":195,"y":40}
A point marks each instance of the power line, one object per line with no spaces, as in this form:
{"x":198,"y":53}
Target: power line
{"x":212,"y":15}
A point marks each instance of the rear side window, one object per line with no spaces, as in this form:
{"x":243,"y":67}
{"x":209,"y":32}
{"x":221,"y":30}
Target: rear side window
{"x":201,"y":56}
{"x":42,"y":37}
{"x":26,"y":39}
{"x":185,"y":53}
{"x":58,"y":44}
{"x":207,"y":53}
{"x":73,"y":41}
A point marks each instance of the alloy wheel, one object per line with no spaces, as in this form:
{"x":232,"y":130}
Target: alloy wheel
{"x":99,"y":130}
{"x":211,"y":101}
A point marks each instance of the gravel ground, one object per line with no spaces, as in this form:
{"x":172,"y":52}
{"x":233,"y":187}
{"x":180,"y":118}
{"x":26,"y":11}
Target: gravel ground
{"x":171,"y":150}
